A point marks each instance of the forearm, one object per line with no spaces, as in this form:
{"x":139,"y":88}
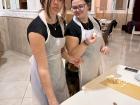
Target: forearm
{"x":79,"y":50}
{"x":105,"y":38}
{"x":37,"y":43}
{"x":74,"y":48}
{"x":65,"y":54}
{"x":47,"y":84}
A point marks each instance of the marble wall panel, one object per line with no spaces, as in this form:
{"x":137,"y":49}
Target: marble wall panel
{"x":18,"y":34}
{"x":4,"y":34}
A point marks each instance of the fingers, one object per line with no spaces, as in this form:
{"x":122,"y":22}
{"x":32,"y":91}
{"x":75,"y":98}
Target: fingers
{"x":94,"y":34}
{"x":77,"y":61}
{"x":91,"y":40}
{"x":93,"y":37}
{"x":105,"y":50}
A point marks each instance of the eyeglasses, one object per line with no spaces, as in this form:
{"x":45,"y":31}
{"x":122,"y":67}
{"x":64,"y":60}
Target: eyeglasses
{"x":79,"y":7}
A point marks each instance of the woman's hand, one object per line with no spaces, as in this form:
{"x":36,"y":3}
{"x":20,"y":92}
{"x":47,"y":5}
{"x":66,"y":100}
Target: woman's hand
{"x":90,"y":40}
{"x":69,"y":58}
{"x":75,"y":61}
{"x":105,"y":50}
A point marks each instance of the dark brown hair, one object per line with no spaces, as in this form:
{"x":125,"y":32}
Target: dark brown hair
{"x":88,"y":2}
{"x":46,"y":5}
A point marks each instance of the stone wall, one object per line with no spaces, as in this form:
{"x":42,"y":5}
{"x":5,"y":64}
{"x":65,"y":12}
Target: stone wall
{"x":13,"y":34}
{"x":4,"y":34}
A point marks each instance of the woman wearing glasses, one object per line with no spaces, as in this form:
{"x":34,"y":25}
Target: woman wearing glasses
{"x":84,"y":40}
{"x":46,"y":37}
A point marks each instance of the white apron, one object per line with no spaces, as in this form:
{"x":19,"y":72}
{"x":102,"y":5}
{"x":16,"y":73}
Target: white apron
{"x":57,"y":72}
{"x":89,"y":69}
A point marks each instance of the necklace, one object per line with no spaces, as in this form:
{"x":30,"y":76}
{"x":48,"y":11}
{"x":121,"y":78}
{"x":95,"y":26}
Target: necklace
{"x":54,"y":26}
{"x":86,"y":25}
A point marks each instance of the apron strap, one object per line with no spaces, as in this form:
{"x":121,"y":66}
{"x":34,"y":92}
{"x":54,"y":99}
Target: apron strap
{"x":96,"y":26}
{"x":82,"y":28}
{"x":43,"y":18}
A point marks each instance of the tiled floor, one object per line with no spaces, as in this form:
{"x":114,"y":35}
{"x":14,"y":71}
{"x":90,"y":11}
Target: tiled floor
{"x":123,"y":50}
{"x":15,"y":88}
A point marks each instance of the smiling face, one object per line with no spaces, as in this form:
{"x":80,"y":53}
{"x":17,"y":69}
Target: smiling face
{"x":79,"y":8}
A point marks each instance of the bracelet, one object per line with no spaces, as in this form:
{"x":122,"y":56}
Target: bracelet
{"x":85,"y":43}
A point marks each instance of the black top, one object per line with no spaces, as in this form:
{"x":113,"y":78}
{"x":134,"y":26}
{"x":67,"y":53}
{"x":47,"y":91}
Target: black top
{"x":73,"y":29}
{"x":38,"y":26}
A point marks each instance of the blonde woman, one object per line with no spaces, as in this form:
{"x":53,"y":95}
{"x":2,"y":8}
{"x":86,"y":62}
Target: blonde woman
{"x":46,"y":38}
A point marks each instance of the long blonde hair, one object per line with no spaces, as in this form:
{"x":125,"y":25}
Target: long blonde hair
{"x":46,"y":5}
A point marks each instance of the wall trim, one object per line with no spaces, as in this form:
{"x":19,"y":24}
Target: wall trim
{"x":19,"y":13}
{"x":33,"y":13}
{"x":115,"y":11}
